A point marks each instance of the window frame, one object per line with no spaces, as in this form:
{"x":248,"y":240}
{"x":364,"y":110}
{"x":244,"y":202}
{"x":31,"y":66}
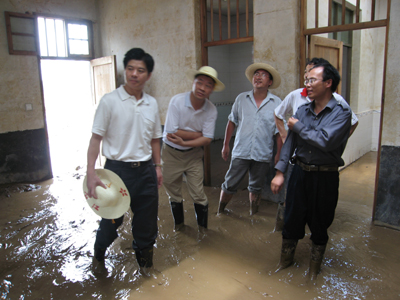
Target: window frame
{"x":10,"y":33}
{"x":34,"y":16}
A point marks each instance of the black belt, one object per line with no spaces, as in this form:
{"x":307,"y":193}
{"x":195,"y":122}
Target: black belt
{"x":181,"y":150}
{"x":314,"y":168}
{"x":128,"y":164}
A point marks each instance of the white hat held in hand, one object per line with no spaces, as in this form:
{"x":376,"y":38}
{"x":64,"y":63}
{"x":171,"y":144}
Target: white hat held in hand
{"x":112,"y":202}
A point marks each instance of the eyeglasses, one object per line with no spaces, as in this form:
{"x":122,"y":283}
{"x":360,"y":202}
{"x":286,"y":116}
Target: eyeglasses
{"x":311,"y":81}
{"x":259,"y":74}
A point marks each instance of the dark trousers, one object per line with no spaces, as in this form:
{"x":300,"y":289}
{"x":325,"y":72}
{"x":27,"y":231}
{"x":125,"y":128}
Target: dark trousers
{"x":141,"y":183}
{"x":311,"y":199}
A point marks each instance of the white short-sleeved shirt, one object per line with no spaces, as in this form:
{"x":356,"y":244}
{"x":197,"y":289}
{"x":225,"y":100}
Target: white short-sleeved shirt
{"x":296,"y":98}
{"x":181,"y":115}
{"x":256,"y":128}
{"x":127,"y":125}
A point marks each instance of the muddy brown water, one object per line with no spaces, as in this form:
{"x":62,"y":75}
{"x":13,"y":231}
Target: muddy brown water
{"x":47,"y":233}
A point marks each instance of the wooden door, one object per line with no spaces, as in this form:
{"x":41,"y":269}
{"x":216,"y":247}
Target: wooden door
{"x":104,"y":80}
{"x":331,"y":50}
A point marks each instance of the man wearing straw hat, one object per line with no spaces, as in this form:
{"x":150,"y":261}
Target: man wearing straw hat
{"x":128,"y":124}
{"x":189,"y":126}
{"x":253,"y":117}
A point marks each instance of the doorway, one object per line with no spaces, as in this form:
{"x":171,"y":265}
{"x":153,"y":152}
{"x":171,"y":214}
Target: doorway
{"x":69,"y":113}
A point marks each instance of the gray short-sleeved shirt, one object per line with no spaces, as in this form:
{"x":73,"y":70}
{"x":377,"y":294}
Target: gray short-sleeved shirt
{"x":255,"y":127}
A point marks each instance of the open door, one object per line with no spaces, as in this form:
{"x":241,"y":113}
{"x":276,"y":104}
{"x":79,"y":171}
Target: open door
{"x":331,"y":50}
{"x":104,"y":80}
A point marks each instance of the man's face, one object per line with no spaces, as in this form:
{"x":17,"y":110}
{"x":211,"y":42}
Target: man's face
{"x":202,"y":87}
{"x":261,"y":79}
{"x":136,"y":75}
{"x":316,"y":87}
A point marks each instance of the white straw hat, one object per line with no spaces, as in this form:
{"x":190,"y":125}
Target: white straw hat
{"x":276,"y":81}
{"x":112,"y":202}
{"x":210,"y":72}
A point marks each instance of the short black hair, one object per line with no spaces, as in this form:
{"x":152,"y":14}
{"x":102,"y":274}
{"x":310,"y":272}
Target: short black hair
{"x":139,"y":54}
{"x":316,"y":61}
{"x":329,"y":72}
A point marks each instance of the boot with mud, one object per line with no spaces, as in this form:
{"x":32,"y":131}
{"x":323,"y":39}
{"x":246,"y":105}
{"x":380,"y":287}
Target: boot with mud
{"x":177,"y":213}
{"x":317,"y":254}
{"x":255,"y":200}
{"x":287,"y":254}
{"x":224,"y":199}
{"x":144,"y":258}
{"x":201,"y":216}
{"x":280,"y":214}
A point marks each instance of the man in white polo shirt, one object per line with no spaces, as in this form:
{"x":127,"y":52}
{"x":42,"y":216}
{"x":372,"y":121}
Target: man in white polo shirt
{"x":128,"y":123}
{"x":189,"y":126}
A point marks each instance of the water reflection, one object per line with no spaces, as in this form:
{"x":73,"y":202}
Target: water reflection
{"x":48,"y":231}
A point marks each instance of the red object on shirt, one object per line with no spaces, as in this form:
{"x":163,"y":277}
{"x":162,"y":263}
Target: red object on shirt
{"x":304,"y":92}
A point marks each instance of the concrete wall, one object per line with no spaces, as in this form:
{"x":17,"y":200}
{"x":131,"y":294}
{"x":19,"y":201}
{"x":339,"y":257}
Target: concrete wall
{"x":276,"y":40}
{"x":168,"y":30}
{"x":24,"y":146}
{"x":388,"y":195}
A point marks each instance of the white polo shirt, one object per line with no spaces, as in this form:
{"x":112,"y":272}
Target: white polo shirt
{"x":181,"y":115}
{"x":127,"y":125}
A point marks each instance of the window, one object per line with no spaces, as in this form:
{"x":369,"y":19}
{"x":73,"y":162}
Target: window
{"x":49,"y":37}
{"x":64,"y":38}
{"x":21,"y":33}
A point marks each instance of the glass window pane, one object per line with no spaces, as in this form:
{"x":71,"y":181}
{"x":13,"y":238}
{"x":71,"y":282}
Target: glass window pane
{"x":22,"y":25}
{"x":78,"y":47}
{"x":60,"y":36}
{"x":51,"y":37}
{"x":77,"y":31}
{"x":23,"y":43}
{"x":42,"y":37}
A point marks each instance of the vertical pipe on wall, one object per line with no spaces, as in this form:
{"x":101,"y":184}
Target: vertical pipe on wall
{"x":237,"y":19}
{"x":229,"y":19}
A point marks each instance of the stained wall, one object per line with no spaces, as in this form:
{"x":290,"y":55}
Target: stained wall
{"x":387,"y":210}
{"x":168,"y":30}
{"x":24,"y":145}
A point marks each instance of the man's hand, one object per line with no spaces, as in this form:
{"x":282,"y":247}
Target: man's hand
{"x":277,"y":182}
{"x":159,"y":177}
{"x":225,"y":152}
{"x":175,"y":139}
{"x":291,"y":122}
{"x":92,"y":181}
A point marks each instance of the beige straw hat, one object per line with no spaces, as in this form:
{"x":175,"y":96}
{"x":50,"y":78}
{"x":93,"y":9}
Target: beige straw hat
{"x":112,"y":202}
{"x":261,"y":66}
{"x":210,"y":72}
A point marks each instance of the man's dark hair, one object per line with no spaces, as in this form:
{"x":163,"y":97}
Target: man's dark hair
{"x":139,"y":54}
{"x":330,"y":71}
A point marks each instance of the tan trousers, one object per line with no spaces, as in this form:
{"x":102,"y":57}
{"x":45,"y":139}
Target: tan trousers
{"x":177,"y":163}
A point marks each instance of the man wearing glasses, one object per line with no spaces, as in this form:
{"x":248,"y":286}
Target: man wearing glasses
{"x":288,"y":108}
{"x":318,"y":134}
{"x":253,"y":117}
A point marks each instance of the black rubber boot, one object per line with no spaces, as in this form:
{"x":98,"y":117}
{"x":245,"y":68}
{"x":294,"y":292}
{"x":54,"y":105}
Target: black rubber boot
{"x":201,"y":215}
{"x":287,"y":254}
{"x":99,"y":253}
{"x":177,"y":213}
{"x":280,"y":217}
{"x":144,"y":258}
{"x":317,"y":254}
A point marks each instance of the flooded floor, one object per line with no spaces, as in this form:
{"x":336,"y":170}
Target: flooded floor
{"x":47,"y":234}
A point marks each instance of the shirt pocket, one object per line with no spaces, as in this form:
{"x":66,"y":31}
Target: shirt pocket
{"x":149,"y":121}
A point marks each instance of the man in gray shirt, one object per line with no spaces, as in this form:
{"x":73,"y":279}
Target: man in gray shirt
{"x":318,"y":133}
{"x":253,"y":116}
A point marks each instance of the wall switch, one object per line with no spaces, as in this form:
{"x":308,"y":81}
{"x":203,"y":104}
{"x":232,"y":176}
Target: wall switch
{"x":28,"y":106}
